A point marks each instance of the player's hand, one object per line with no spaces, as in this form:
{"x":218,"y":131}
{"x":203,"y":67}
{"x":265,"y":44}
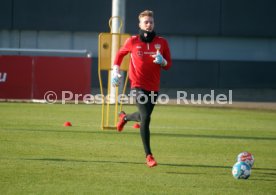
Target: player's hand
{"x":115,"y":76}
{"x":159,"y":59}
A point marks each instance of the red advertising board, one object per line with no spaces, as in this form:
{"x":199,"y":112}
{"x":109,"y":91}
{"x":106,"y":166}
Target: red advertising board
{"x":62,"y":74}
{"x":31,"y":77}
{"x":16,"y":77}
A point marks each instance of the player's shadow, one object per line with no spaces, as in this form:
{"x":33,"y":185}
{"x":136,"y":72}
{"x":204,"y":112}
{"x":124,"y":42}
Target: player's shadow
{"x":194,"y":165}
{"x":262,"y":179}
{"x":184,"y":173}
{"x":156,"y":134}
{"x":119,"y":162}
{"x":219,"y":167}
{"x":262,"y":174}
{"x":140,"y":163}
{"x":214,"y":136}
{"x":79,"y":161}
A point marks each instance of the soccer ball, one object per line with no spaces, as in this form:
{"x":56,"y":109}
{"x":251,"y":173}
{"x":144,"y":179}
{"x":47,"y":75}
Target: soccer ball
{"x":246,"y":157}
{"x":241,"y":170}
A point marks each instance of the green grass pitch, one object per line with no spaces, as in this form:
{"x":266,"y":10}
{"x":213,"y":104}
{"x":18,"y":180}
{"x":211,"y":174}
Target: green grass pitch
{"x":195,"y":147}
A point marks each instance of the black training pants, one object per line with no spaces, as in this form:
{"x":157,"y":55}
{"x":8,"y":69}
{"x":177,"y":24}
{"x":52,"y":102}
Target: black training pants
{"x":145,"y":101}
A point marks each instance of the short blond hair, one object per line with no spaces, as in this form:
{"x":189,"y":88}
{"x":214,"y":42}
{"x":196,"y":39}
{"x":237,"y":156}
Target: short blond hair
{"x":145,"y":13}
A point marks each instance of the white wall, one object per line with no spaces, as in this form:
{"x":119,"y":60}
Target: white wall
{"x":50,"y":40}
{"x":182,"y":47}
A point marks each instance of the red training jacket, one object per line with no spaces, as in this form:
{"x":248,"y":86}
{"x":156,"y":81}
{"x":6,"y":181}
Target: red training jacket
{"x":143,"y":72}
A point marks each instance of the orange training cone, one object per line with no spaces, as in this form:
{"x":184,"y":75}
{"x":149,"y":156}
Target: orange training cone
{"x":67,"y":124}
{"x":136,"y":126}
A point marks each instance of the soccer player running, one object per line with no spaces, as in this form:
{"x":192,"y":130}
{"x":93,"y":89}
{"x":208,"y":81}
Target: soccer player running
{"x":149,"y":55}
